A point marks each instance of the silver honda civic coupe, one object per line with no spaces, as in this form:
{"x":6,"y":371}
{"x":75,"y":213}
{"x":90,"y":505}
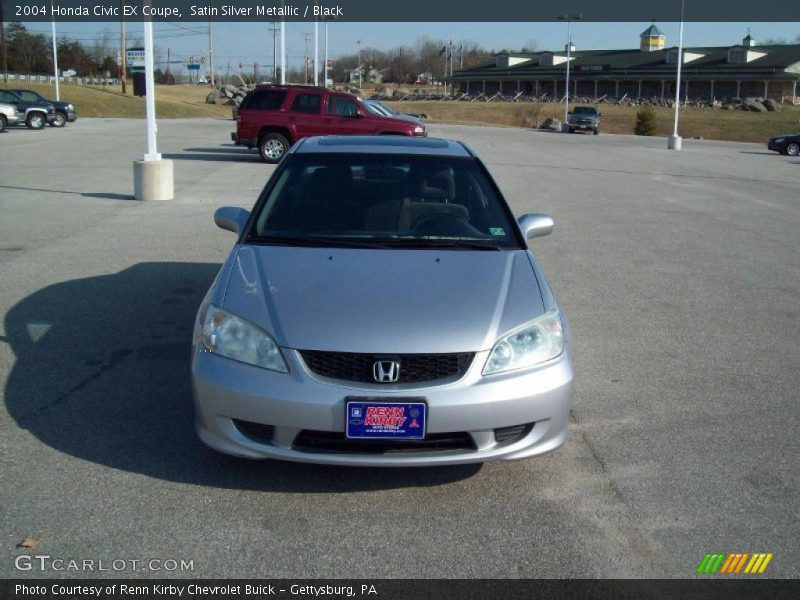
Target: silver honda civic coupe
{"x":381,"y":308}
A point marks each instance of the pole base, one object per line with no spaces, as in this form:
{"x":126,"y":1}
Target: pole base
{"x":153,"y":180}
{"x":674,"y":142}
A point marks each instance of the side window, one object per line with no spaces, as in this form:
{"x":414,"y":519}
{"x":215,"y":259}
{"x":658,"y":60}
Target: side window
{"x":266,"y":100}
{"x":307,"y":103}
{"x":6,"y":97}
{"x":342,"y":106}
{"x":29,"y":96}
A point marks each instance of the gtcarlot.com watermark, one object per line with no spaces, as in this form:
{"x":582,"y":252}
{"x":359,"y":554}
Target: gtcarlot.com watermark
{"x":45,"y":562}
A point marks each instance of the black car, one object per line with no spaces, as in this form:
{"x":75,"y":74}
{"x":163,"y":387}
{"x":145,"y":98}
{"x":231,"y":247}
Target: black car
{"x":34,"y":114}
{"x":785,"y":144}
{"x":65,"y":111}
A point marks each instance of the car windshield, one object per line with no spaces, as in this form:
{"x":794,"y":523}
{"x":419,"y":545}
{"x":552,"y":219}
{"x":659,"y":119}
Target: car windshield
{"x":389,"y":109}
{"x":373,"y":109}
{"x":361,"y":200}
{"x":584,"y":110}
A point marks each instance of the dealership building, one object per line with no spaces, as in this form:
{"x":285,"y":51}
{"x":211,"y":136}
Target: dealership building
{"x":737,"y":71}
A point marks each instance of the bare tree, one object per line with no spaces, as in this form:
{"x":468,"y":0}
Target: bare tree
{"x":530,"y":46}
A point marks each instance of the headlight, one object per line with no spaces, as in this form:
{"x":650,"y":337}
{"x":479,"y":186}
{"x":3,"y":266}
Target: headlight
{"x":534,"y":342}
{"x":419,"y":129}
{"x":70,"y":107}
{"x":228,"y":335}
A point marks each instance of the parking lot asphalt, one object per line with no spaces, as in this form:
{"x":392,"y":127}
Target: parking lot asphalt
{"x":679,"y":272}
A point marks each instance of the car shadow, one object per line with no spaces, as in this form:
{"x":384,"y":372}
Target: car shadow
{"x":762,"y":153}
{"x":102,"y":374}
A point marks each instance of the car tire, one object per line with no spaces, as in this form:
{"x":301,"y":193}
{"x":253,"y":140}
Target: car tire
{"x":570,"y":130}
{"x":3,"y":123}
{"x":36,"y":120}
{"x":596,"y":132}
{"x":793,"y":149}
{"x":272,"y":147}
{"x":60,"y":120}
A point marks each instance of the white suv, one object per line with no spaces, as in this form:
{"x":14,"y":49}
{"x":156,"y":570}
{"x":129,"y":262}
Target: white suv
{"x":8,"y":116}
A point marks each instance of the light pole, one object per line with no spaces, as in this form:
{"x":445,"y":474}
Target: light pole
{"x":283,"y":51}
{"x":325,"y":76}
{"x":316,"y":51}
{"x":568,"y":19}
{"x":674,"y":141}
{"x":55,"y":53}
{"x":153,"y":175}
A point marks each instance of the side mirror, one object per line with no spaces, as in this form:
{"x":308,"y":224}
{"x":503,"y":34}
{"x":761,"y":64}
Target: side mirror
{"x":231,"y":218}
{"x":536,"y":225}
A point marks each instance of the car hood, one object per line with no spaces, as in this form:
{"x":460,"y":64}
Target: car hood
{"x":408,"y":118}
{"x":384,"y":300}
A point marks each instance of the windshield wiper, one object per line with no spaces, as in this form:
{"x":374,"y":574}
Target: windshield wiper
{"x":423,"y":243}
{"x":313,"y":242}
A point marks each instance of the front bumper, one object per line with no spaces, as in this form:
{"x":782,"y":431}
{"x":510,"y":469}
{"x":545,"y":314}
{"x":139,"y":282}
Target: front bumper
{"x":777,"y":147}
{"x":226,"y":391}
{"x":583,"y":125}
{"x":72,"y":117}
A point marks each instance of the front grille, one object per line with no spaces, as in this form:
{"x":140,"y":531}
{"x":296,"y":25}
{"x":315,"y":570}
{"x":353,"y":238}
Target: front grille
{"x":414,"y":368}
{"x":512,"y":434}
{"x":331,"y":441}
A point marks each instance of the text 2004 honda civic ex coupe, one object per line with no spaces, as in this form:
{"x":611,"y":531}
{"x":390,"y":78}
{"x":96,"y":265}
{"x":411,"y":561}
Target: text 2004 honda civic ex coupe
{"x":381,"y":307}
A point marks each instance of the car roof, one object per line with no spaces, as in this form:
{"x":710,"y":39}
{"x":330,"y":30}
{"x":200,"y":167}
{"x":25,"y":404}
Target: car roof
{"x":381,"y":144}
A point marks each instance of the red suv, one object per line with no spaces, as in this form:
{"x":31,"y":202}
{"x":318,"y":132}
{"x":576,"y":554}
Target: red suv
{"x":273,"y":117}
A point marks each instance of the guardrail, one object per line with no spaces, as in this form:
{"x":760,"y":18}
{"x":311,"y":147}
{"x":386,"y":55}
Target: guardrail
{"x":50,"y":79}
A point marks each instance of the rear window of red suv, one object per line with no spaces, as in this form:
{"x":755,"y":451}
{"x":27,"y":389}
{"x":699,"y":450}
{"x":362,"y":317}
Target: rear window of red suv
{"x":264,"y":100}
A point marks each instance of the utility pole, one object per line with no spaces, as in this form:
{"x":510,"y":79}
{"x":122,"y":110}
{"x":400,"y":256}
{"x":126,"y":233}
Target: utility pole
{"x":360,"y":71}
{"x":306,"y":57}
{"x":123,"y":51}
{"x":3,"y":43}
{"x":210,"y":47}
{"x":168,"y":74}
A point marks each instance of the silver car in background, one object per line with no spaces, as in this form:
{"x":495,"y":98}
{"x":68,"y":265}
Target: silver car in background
{"x":381,"y":307}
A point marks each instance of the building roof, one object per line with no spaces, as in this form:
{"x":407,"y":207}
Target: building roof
{"x":779,"y":61}
{"x":652,"y":31}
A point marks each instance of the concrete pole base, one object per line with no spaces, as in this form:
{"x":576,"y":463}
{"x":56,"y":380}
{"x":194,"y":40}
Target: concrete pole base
{"x":153,"y":180}
{"x":674,"y":142}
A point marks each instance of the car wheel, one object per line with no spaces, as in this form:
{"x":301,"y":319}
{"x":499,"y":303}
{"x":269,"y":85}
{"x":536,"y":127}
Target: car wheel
{"x":3,"y":123}
{"x":596,"y":132}
{"x":35,"y":120}
{"x":272,"y":147}
{"x":60,"y":120}
{"x":793,"y":149}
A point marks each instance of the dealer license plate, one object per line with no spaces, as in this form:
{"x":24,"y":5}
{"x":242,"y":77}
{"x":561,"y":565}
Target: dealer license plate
{"x":376,"y":418}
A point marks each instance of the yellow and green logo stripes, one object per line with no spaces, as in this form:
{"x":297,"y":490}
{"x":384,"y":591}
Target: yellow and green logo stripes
{"x":734,"y":563}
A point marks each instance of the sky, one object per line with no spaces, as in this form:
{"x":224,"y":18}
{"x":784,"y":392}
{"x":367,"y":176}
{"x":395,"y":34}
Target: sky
{"x":246,"y":42}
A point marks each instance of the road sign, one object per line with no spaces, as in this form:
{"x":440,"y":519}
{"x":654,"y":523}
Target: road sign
{"x":193,"y":66}
{"x":135,"y":58}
